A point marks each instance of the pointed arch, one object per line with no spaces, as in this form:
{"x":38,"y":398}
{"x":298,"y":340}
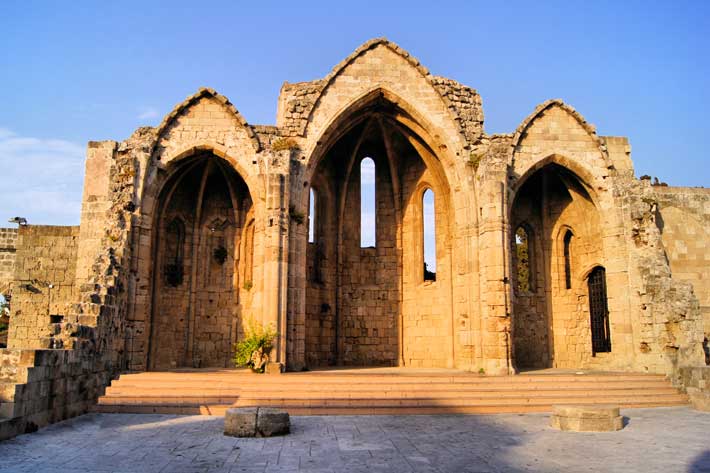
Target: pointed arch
{"x":540,"y":110}
{"x":462,"y":104}
{"x":366,"y":46}
{"x":583,"y":175}
{"x":567,"y":255}
{"x":524,"y":258}
{"x":428,"y":234}
{"x":205,"y":92}
{"x":161,"y":172}
{"x":407,"y":117}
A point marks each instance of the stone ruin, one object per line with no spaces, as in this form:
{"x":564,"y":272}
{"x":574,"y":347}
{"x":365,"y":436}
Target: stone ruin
{"x":548,"y":251}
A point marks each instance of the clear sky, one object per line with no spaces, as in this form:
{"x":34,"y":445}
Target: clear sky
{"x":76,"y":71}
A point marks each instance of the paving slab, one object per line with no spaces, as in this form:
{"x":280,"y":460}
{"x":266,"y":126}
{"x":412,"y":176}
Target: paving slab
{"x":654,"y":440}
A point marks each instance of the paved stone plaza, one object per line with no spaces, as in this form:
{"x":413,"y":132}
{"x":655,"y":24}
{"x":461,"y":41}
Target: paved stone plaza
{"x":662,"y":440}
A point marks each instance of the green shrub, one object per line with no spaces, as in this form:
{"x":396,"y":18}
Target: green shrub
{"x":253,"y":350}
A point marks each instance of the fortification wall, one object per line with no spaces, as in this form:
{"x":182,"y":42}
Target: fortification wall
{"x":43,"y":281}
{"x":8,"y":248}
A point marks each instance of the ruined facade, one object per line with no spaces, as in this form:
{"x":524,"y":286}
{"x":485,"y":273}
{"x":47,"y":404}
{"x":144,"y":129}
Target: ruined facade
{"x":548,"y":251}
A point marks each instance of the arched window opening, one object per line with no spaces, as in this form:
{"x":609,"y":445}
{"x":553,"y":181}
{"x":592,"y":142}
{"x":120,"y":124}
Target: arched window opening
{"x":568,"y":261}
{"x":523,"y":257}
{"x":249,"y":256}
{"x":174,"y":247}
{"x":599,"y":311}
{"x":429,"y":235}
{"x":312,"y":216}
{"x":368,"y":204}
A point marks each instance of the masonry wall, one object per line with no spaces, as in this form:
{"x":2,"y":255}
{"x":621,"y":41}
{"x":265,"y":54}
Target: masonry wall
{"x":426,"y":305}
{"x":556,"y":134}
{"x":8,"y":249}
{"x":684,"y":222}
{"x":46,"y":256}
{"x":41,"y":386}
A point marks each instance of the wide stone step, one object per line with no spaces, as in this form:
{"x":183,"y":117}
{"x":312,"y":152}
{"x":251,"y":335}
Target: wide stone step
{"x":436,"y":410}
{"x":382,"y":387}
{"x":286,"y":381}
{"x":560,"y":398}
{"x":178,"y":408}
{"x":359,"y":393}
{"x":362,"y":378}
{"x":219,"y":409}
{"x":329,"y":393}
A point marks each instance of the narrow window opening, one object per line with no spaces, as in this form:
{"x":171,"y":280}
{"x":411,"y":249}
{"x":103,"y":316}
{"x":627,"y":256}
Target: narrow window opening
{"x":523,"y":256}
{"x":599,"y":311}
{"x":429,"y":235}
{"x":312,"y":216}
{"x":568,"y":261}
{"x":249,"y":255}
{"x":368,"y":204}
{"x":174,"y":271}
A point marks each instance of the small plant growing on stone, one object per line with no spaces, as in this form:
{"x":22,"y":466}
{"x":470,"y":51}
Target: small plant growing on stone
{"x":481,"y":371}
{"x":248,"y":285}
{"x":253,"y":350}
{"x":284,"y":144}
{"x":474,"y":159}
{"x":4,"y":313}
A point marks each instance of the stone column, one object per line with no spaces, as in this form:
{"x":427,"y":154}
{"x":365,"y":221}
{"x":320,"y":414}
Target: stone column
{"x":95,"y":205}
{"x":494,"y":278}
{"x":276,"y":234}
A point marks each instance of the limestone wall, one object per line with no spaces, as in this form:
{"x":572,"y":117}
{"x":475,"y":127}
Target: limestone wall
{"x":556,"y":135}
{"x":8,"y":248}
{"x":45,"y":386}
{"x":44,"y":281}
{"x":684,"y":221}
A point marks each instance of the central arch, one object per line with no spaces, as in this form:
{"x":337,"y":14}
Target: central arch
{"x":371,"y":305}
{"x":203,"y":260}
{"x":556,"y":234}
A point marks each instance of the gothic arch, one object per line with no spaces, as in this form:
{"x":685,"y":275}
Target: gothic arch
{"x":413,"y":123}
{"x":553,"y":196}
{"x":549,"y":104}
{"x":584,"y":176}
{"x":466,"y":124}
{"x":206,"y":92}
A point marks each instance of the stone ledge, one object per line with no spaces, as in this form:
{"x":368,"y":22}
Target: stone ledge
{"x":586,"y":418}
{"x":256,"y":422}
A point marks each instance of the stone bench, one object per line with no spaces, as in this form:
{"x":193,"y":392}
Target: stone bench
{"x":586,"y":418}
{"x":256,"y":422}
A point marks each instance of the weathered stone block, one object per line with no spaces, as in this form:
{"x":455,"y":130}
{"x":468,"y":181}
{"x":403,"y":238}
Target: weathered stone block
{"x":586,"y":418}
{"x":256,"y":422}
{"x":240,"y":422}
{"x":270,"y":422}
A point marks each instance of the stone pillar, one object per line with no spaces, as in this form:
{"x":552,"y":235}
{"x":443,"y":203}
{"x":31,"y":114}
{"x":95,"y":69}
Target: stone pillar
{"x":95,"y":204}
{"x":494,"y":268}
{"x":276,"y":234}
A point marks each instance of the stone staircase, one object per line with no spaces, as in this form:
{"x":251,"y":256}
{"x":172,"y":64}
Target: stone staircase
{"x":366,"y":393}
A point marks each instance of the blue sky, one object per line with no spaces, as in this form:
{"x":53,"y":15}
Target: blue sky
{"x":77,"y":71}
